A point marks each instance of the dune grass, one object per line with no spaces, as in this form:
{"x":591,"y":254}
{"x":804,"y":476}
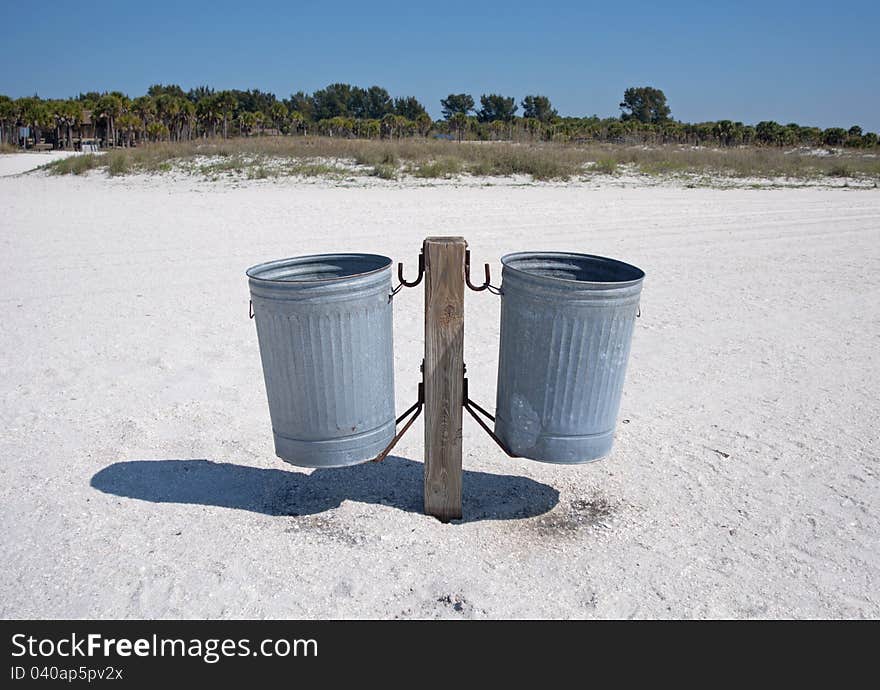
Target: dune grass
{"x":117,"y":163}
{"x":264,"y":157}
{"x":604,"y":166}
{"x":445,"y":167}
{"x":386,"y":171}
{"x":75,"y":165}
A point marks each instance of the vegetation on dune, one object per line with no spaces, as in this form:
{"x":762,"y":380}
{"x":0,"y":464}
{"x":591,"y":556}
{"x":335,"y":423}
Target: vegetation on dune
{"x":344,"y":130}
{"x":76,"y":165}
{"x":265,"y":157}
{"x":606,"y":166}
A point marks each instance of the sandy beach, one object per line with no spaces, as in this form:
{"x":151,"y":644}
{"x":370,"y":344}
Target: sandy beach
{"x":138,"y":479}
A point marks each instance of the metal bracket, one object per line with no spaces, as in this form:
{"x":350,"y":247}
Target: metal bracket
{"x":418,"y":278}
{"x":415,"y":407}
{"x":473,"y":408}
{"x":488,"y":278}
{"x":406,"y":283}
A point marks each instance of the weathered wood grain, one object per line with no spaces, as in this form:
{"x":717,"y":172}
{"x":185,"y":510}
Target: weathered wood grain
{"x":444,"y":373}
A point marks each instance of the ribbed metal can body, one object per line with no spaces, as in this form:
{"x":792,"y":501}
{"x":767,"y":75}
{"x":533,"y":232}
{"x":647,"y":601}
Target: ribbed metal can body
{"x":566,"y":328}
{"x":324,"y":325}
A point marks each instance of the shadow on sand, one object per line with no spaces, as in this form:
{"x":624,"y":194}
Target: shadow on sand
{"x":395,"y":482}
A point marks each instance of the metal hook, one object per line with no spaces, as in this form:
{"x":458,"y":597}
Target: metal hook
{"x":486,"y":284}
{"x":250,"y":309}
{"x":418,"y":279}
{"x":467,"y":273}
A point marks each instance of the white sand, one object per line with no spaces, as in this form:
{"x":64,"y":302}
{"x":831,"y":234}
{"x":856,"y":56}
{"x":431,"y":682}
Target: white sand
{"x":138,"y":480}
{"x":17,"y":163}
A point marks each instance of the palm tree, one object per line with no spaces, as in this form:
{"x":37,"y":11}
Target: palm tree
{"x":532,"y":125}
{"x":128,"y":124}
{"x":297,"y":122}
{"x":124,"y":105}
{"x":424,"y":123}
{"x":144,"y":107}
{"x":246,"y":122}
{"x":187,"y":117}
{"x":458,"y":122}
{"x":157,"y":130}
{"x":208,"y":113}
{"x":388,"y":125}
{"x":370,"y":129}
{"x":55,"y":107}
{"x":108,"y":108}
{"x":168,"y":109}
{"x":8,"y":118}
{"x":35,"y":114}
{"x":278,"y":115}
{"x":68,"y":114}
{"x":226,"y":104}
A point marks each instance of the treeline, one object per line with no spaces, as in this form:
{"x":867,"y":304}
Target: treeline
{"x":168,"y":113}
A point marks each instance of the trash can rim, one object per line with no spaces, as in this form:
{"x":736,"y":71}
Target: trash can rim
{"x":254,"y":272}
{"x":507,"y":259}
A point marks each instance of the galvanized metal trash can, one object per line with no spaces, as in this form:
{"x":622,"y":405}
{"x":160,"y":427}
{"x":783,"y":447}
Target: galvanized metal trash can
{"x":566,"y":327}
{"x":324,"y":324}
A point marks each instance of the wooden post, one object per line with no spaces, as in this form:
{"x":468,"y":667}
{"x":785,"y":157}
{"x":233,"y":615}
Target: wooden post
{"x":444,"y":374}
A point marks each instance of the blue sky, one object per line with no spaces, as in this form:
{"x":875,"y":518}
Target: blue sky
{"x":812,"y":63}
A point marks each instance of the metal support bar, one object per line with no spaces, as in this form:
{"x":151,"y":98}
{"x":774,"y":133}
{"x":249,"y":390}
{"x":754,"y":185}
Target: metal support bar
{"x":472,"y":409}
{"x":417,"y":407}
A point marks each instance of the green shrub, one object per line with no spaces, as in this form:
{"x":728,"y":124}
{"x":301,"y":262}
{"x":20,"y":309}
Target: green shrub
{"x":604,"y":166}
{"x":385,"y":171}
{"x":541,"y":163}
{"x":480,"y":168}
{"x":662,"y":167}
{"x":375,"y":154}
{"x":74,"y":165}
{"x":444,"y":167}
{"x":117,"y":163}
